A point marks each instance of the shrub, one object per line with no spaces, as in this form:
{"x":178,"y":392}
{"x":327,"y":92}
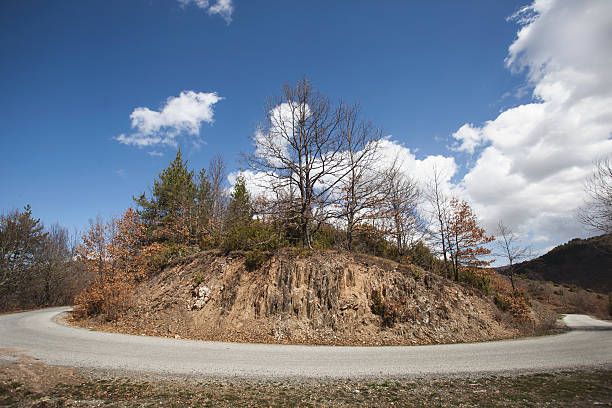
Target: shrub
{"x":416,"y":272}
{"x":502,"y":302}
{"x":166,"y":253}
{"x":255,"y":259}
{"x":109,"y":296}
{"x":516,"y":304}
{"x":388,"y":313}
{"x":300,"y":252}
{"x":197,"y":278}
{"x":476,"y":278}
{"x":377,"y":307}
{"x":419,"y":254}
{"x":254,"y":235}
{"x":369,"y":241}
{"x":327,"y":237}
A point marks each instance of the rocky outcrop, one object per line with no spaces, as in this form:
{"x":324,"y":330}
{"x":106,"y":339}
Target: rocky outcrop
{"x":323,"y":298}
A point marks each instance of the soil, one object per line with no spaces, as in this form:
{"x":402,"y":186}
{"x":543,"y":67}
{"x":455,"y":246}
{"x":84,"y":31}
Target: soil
{"x":309,"y":298}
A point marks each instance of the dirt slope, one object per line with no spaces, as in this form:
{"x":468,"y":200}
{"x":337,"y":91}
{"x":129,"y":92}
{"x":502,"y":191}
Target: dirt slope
{"x":323,"y":298}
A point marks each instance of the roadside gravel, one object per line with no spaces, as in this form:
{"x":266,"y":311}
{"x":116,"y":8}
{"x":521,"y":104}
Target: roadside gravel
{"x":37,"y":334}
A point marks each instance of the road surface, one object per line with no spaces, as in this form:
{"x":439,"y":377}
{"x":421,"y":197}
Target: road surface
{"x":588,"y":345}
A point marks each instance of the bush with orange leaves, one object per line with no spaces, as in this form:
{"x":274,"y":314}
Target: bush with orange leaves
{"x":507,"y":300}
{"x":116,"y":254}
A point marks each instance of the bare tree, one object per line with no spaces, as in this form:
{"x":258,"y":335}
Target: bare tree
{"x":596,"y":213}
{"x":302,"y":146}
{"x":217,"y":172}
{"x":54,"y":266}
{"x":360,"y":192}
{"x":510,"y":248}
{"x":440,"y":212}
{"x":400,"y":200}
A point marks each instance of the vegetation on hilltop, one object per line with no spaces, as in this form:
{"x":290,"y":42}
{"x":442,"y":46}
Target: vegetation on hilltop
{"x":583,"y":262}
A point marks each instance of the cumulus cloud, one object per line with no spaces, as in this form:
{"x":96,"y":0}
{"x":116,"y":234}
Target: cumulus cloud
{"x":223,"y":8}
{"x":181,"y":115}
{"x":259,"y":184}
{"x":535,"y":156}
{"x":274,"y":142}
{"x":468,"y":138}
{"x":420,"y":169}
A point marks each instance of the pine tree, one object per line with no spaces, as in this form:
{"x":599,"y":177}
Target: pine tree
{"x":22,"y":238}
{"x":171,"y":211}
{"x":239,"y":217}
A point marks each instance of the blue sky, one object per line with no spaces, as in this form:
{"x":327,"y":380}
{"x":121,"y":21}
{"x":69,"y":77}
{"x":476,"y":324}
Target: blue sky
{"x":72,"y":73}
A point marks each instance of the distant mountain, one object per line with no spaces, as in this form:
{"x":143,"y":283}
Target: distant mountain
{"x":583,"y":262}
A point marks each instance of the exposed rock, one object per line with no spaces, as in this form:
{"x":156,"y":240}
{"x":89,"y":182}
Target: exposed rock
{"x":325,"y":298}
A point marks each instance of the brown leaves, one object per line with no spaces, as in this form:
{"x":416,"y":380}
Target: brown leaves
{"x":116,"y":254}
{"x":466,"y":236}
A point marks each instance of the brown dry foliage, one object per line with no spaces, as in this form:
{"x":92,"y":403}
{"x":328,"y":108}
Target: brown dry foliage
{"x":115,"y":253}
{"x":513,"y":302}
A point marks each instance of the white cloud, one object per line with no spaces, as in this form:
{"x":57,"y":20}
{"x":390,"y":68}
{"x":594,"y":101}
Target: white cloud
{"x":259,"y":184}
{"x":223,"y":8}
{"x":469,"y":136}
{"x":420,"y":170}
{"x":274,"y":142}
{"x":536,"y":155}
{"x":183,"y":114}
{"x":155,"y":153}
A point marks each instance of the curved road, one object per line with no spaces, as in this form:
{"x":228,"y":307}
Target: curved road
{"x":35,"y":333}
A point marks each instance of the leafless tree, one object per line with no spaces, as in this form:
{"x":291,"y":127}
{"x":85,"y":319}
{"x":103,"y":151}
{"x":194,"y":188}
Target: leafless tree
{"x":400,"y":200}
{"x":510,"y":248}
{"x":360,"y":193}
{"x":440,"y":214}
{"x":596,"y":213}
{"x":216,"y":175}
{"x":301,"y":146}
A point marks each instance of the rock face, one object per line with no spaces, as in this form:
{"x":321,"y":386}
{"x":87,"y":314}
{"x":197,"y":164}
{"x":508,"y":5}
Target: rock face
{"x":324,"y":298}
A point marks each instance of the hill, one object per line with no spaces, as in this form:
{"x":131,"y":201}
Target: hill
{"x":583,"y":262}
{"x":309,"y":297}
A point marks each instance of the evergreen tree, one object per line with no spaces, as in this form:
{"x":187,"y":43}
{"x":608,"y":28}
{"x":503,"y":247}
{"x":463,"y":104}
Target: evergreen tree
{"x":171,"y":211}
{"x":21,"y":239}
{"x":239,"y":217}
{"x":22,"y":244}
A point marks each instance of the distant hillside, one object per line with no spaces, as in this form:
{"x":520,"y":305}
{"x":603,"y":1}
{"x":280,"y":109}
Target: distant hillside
{"x":583,"y":262}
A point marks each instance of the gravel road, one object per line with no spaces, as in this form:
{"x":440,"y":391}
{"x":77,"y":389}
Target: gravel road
{"x":38,"y":335}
